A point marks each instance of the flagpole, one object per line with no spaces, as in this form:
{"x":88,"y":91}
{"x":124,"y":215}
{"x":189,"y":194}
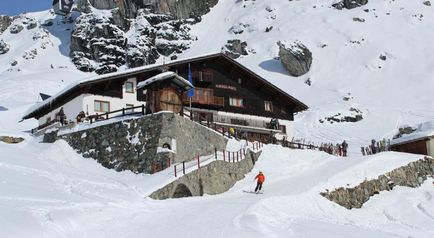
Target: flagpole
{"x":191,"y":112}
{"x":191,"y":92}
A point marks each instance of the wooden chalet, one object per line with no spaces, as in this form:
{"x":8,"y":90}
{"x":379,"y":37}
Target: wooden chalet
{"x":420,"y":141}
{"x":226,"y":95}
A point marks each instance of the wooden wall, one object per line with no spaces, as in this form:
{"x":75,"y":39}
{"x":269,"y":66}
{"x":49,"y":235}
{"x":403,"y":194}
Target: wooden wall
{"x":416,"y":147}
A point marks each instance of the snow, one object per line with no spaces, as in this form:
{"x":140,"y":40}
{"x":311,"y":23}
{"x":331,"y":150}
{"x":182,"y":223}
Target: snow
{"x":161,"y":77}
{"x":48,"y":190}
{"x":52,"y":192}
{"x":422,"y":131}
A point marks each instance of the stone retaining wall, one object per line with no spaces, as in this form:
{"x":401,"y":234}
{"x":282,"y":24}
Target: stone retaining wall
{"x":411,"y":175}
{"x":214,"y":178}
{"x":136,"y":144}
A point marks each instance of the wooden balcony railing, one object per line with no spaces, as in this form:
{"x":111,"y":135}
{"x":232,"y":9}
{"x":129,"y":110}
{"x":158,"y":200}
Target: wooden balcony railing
{"x":206,"y":100}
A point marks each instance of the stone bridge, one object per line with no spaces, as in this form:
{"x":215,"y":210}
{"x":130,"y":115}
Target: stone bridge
{"x":214,"y":178}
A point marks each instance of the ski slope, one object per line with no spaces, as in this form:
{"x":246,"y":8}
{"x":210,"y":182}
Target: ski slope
{"x":50,"y":191}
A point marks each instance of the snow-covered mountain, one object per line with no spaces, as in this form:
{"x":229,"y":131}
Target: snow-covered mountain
{"x":375,"y":60}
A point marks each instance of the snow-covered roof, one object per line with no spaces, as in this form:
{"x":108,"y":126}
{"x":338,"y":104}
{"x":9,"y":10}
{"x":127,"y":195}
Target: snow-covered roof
{"x":422,"y":131}
{"x":166,"y":75}
{"x":41,"y":107}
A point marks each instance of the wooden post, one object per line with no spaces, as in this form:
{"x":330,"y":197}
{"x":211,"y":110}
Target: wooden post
{"x":224,"y":155}
{"x":215,"y":153}
{"x":168,"y":162}
{"x":233,"y":157}
{"x":106,"y":115}
{"x":237,"y":157}
{"x":198,"y":162}
{"x":143,"y":109}
{"x":183,"y":167}
{"x":175,"y":170}
{"x":123,"y":111}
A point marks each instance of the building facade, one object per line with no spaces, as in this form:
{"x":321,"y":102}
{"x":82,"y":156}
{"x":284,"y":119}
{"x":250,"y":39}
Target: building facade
{"x":227,"y":96}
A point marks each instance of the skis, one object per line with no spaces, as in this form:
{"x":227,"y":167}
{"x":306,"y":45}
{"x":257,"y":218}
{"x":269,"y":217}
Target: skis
{"x":259,"y":192}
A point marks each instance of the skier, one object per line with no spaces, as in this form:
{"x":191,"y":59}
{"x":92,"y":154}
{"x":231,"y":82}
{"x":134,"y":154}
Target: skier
{"x":261,"y":178}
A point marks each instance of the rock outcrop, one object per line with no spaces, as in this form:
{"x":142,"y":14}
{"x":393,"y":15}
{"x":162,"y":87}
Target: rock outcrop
{"x":11,"y":140}
{"x":349,"y":4}
{"x":15,"y":29}
{"x":4,"y":48}
{"x":130,"y":33}
{"x":411,"y":175}
{"x":96,"y":37}
{"x":235,"y":48}
{"x":130,"y":8}
{"x":5,"y":22}
{"x":295,"y":57}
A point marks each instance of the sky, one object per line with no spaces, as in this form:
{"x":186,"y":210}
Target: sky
{"x":15,"y":7}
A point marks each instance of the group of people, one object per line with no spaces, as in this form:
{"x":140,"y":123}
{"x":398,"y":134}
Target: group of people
{"x":340,"y":149}
{"x":376,"y":147}
{"x":61,"y":117}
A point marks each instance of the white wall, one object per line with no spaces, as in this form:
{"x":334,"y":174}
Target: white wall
{"x":71,"y":109}
{"x":86,"y":102}
{"x":115,"y":103}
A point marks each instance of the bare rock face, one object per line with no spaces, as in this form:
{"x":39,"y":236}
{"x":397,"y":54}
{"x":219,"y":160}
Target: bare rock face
{"x":4,"y":48}
{"x":173,"y":36}
{"x":131,"y":32}
{"x":96,"y":37}
{"x":129,"y":8}
{"x":140,"y":48}
{"x":5,"y":22}
{"x":235,"y":48}
{"x":295,"y":57}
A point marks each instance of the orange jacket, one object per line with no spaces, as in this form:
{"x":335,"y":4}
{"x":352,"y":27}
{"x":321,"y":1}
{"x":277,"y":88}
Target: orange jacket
{"x":260,"y":178}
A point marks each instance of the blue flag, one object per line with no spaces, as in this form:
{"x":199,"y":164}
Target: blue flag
{"x":190,"y":92}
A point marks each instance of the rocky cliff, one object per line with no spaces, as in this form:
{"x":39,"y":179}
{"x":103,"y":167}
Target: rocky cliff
{"x":5,"y":22}
{"x":112,"y":33}
{"x":181,"y":9}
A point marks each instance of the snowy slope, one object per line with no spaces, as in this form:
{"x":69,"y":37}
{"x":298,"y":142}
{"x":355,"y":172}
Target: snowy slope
{"x":52,"y":192}
{"x":399,"y":92}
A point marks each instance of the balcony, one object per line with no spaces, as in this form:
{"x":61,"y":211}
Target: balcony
{"x":205,"y":96}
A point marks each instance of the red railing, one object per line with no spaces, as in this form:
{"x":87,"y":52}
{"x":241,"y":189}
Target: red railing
{"x":226,"y":156}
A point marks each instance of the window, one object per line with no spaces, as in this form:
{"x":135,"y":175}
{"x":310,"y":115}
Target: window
{"x":129,"y":106}
{"x":236,"y":102}
{"x":205,"y":75}
{"x":129,"y":87}
{"x":282,"y":128}
{"x":240,"y":81}
{"x":268,"y":106}
{"x":101,"y":106}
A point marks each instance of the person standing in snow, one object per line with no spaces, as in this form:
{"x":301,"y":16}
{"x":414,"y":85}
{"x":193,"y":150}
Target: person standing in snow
{"x":261,"y":178}
{"x":62,"y":116}
{"x":344,"y":148}
{"x":373,"y":147}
